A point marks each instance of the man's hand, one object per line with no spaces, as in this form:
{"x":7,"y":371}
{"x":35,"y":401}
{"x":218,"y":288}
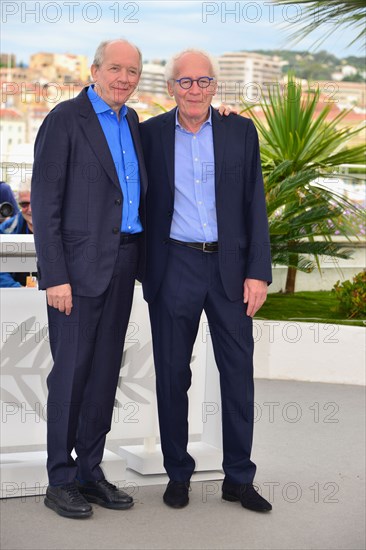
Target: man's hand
{"x":60,"y":297}
{"x":226,"y":110}
{"x":255,"y":294}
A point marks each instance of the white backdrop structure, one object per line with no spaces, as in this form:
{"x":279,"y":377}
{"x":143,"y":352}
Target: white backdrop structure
{"x":284,"y":350}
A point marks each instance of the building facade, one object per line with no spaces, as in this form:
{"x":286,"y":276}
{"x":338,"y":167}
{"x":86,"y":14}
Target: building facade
{"x":247,"y":76}
{"x":55,"y":67}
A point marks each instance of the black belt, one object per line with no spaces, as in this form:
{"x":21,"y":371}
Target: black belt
{"x":204,"y":247}
{"x":127,"y":238}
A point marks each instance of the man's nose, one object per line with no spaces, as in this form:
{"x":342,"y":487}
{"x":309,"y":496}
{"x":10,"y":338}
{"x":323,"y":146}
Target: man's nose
{"x":123,"y":75}
{"x":195,"y":89}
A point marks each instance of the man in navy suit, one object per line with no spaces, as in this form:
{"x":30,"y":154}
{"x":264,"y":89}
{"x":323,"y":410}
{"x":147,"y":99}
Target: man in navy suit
{"x":88,"y":201}
{"x":207,"y":249}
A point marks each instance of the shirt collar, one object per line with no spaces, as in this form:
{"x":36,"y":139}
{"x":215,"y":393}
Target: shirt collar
{"x":208,"y":121}
{"x":99,"y":105}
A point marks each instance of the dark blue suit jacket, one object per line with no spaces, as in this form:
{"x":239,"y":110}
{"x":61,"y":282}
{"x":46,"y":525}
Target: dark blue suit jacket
{"x":77,"y":199}
{"x":244,"y":246}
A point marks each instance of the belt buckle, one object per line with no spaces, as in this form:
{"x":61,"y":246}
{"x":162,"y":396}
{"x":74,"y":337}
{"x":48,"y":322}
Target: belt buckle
{"x":206,"y":250}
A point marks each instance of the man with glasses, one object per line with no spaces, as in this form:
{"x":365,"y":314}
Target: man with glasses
{"x":20,"y":224}
{"x":207,"y":249}
{"x":88,"y":193}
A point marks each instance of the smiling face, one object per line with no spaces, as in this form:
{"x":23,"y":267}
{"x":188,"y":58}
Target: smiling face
{"x":193,"y":103}
{"x":118,"y":75}
{"x":26,"y":208}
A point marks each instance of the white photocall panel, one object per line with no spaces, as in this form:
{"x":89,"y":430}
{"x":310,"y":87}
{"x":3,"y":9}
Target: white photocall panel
{"x":26,"y":362}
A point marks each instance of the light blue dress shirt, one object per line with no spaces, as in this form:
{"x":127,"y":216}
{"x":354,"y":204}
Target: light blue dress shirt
{"x":119,"y":139}
{"x":194,"y":217}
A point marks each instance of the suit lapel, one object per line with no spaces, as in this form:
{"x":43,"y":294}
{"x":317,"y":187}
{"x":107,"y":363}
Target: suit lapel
{"x":167,"y":135}
{"x":219,"y":134}
{"x":95,"y":135}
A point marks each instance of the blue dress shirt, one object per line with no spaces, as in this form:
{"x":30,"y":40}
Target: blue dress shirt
{"x":194,"y":217}
{"x":119,"y":139}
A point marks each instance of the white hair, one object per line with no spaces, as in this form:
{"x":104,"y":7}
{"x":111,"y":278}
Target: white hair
{"x":25,"y":185}
{"x":170,"y":66}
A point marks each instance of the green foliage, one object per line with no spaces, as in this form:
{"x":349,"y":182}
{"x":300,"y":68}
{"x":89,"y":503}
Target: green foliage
{"x":352,"y":296}
{"x":358,"y":62}
{"x":292,"y":133}
{"x":161,"y":107}
{"x":298,"y":149}
{"x":336,"y":15}
{"x":305,"y":306}
{"x":353,"y":78}
{"x":316,"y":66}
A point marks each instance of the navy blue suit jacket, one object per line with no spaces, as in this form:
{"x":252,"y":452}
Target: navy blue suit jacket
{"x":244,"y":245}
{"x":77,"y":199}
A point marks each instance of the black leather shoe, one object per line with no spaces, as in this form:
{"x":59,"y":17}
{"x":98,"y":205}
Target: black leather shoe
{"x":176,"y":494}
{"x":247,"y":495}
{"x":67,"y":501}
{"x":105,"y":494}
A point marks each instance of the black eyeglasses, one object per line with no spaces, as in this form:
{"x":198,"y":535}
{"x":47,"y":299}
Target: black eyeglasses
{"x":202,"y":82}
{"x":24,"y":204}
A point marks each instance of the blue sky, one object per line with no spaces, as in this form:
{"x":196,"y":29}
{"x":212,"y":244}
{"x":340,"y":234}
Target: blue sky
{"x":158,"y":28}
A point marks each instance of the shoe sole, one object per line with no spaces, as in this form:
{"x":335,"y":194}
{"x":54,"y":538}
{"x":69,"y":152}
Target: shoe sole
{"x":176,"y":506}
{"x":65,"y":513}
{"x":109,"y":505}
{"x":232,"y":498}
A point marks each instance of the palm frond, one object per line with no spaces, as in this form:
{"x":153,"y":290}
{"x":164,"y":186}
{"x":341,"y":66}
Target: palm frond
{"x":298,"y":149}
{"x":336,"y":15}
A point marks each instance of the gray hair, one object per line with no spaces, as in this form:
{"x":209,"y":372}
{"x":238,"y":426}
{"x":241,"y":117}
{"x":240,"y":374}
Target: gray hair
{"x":99,"y":53}
{"x":25,"y":185}
{"x":170,"y":66}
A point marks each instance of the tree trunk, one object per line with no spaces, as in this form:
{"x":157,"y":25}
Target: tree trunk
{"x":291,"y":274}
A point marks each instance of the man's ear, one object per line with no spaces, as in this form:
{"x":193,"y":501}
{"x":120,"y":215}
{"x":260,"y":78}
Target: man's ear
{"x":170,"y":88}
{"x":213,"y":88}
{"x":93,"y":70}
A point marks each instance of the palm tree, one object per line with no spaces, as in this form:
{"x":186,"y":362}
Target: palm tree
{"x":297,"y":150}
{"x":351,"y":13}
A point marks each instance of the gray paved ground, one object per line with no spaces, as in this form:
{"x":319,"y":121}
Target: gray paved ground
{"x":310,"y":450}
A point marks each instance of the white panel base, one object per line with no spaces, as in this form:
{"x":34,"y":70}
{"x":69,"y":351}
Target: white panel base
{"x":207,"y":458}
{"x":135,"y":480}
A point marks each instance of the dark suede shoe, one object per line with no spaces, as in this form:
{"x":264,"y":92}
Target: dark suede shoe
{"x":176,"y":494}
{"x":105,"y":494}
{"x":67,"y":501}
{"x":247,"y":495}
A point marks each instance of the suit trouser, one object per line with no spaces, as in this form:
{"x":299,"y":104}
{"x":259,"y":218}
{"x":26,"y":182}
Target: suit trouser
{"x":192,"y":283}
{"x":87,"y":349}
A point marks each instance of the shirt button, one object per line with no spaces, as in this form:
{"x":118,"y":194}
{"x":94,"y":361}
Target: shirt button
{"x":127,"y":177}
{"x":196,"y":159}
{"x":130,"y":202}
{"x":112,"y":113}
{"x":199,"y":202}
{"x":129,"y":227}
{"x":115,"y":230}
{"x":194,"y":137}
{"x":204,"y":225}
{"x":197,"y":181}
{"x":124,"y":152}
